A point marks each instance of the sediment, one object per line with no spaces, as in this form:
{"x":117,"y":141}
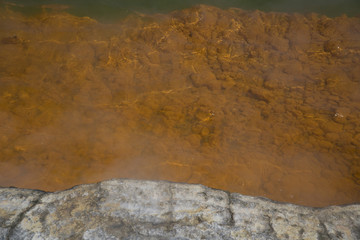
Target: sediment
{"x":261,"y":103}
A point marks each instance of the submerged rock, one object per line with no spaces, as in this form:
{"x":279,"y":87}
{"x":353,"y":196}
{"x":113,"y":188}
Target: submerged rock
{"x":135,"y":209}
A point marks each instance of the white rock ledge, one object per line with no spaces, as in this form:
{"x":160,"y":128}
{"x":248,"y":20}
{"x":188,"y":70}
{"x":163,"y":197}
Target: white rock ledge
{"x":135,"y":209}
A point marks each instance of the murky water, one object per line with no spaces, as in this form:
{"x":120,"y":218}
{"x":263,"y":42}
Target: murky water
{"x":264,"y":104}
{"x":113,"y":9}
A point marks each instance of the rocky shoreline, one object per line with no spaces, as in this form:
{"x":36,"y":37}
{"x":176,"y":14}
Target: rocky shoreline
{"x":137,"y":209}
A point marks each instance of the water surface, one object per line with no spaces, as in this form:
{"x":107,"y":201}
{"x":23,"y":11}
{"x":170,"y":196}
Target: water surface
{"x":264,"y":104}
{"x":114,"y":9}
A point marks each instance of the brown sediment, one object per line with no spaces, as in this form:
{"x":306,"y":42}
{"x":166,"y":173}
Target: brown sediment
{"x":258,"y":103}
{"x":10,"y":40}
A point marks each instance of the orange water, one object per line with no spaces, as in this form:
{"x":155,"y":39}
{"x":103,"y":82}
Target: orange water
{"x":264,"y":104}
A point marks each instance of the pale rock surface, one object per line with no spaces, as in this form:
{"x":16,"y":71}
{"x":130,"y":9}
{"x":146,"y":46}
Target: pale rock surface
{"x":135,"y":209}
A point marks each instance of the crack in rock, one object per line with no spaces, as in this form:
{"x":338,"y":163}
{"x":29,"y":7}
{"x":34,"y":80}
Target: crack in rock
{"x":323,"y":234}
{"x":231,"y":221}
{"x":21,"y":216}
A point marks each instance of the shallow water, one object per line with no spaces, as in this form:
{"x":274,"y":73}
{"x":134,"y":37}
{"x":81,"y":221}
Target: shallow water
{"x":264,"y":104}
{"x":106,"y":10}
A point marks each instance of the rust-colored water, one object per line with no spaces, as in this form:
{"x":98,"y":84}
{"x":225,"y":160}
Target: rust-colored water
{"x":265,"y":104}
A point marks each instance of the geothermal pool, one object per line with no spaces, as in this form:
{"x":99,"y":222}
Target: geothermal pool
{"x":260,"y":103}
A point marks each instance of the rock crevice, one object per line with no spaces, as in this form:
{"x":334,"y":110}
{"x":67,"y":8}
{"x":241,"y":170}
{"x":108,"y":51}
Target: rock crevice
{"x":20,"y":216}
{"x":232,"y":221}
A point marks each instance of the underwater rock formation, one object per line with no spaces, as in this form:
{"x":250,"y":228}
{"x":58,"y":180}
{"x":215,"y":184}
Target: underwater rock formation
{"x":134,"y":209}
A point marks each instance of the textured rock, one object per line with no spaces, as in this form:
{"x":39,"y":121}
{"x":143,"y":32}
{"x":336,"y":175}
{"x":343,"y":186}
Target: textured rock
{"x":13,"y":204}
{"x":134,"y":209}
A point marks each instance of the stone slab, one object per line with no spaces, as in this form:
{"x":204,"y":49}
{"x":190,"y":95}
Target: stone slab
{"x":136,"y":209}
